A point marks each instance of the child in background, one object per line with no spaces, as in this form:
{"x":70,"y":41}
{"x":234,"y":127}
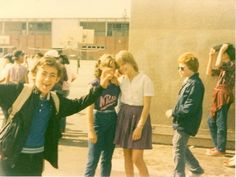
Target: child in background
{"x":5,"y":65}
{"x":17,"y":72}
{"x":102,"y":120}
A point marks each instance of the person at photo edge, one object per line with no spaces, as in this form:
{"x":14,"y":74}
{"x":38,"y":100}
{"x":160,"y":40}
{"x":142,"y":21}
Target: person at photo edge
{"x":39,"y":121}
{"x":221,"y":63}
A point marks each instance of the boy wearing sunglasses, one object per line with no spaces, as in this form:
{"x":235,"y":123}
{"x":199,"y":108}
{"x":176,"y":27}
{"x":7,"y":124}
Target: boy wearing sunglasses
{"x":187,"y":115}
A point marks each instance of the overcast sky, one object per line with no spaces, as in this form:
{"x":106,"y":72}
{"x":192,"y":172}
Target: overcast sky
{"x":64,"y":8}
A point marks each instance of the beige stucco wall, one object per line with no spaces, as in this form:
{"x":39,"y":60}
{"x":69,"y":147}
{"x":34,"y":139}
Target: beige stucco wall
{"x":161,"y":30}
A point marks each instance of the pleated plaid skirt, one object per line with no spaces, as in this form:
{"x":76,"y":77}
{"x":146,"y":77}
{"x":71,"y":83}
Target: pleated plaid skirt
{"x":128,"y":117}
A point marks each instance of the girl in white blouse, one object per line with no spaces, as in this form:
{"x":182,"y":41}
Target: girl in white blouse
{"x":133,"y":130}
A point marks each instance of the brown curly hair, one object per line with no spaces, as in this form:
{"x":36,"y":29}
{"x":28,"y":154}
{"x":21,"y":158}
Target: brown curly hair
{"x":106,"y":60}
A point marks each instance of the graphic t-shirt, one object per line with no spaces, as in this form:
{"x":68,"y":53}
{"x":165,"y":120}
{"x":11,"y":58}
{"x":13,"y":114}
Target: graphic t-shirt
{"x":109,"y":98}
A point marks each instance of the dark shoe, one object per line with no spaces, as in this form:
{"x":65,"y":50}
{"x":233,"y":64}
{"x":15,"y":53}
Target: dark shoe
{"x":196,"y":173}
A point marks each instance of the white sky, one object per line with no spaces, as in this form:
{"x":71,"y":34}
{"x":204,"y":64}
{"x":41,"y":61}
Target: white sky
{"x":63,"y":8}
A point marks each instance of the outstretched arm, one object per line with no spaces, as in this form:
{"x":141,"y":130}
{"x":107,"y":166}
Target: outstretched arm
{"x":69,"y":107}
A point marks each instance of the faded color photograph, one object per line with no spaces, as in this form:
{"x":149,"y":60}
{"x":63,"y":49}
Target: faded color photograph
{"x":117,"y":88}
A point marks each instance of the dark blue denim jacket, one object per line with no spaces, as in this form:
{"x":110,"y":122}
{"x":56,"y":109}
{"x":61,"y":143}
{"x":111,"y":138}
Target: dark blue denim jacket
{"x":187,"y":113}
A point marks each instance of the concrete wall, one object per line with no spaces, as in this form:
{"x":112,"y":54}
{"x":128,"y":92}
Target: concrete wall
{"x":162,"y":30}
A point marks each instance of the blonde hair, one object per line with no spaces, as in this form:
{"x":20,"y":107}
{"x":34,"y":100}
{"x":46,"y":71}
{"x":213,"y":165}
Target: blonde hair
{"x":126,"y":57}
{"x":190,"y":61}
{"x":106,"y":60}
{"x":47,"y":61}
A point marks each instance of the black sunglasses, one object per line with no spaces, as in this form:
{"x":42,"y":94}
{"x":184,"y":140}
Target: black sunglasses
{"x":181,"y":68}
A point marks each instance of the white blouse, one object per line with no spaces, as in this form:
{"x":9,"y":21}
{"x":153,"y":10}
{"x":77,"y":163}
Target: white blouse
{"x":133,"y":92}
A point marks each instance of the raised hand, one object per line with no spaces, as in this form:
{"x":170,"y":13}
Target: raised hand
{"x":224,"y":47}
{"x":106,"y":76}
{"x":212,"y":52}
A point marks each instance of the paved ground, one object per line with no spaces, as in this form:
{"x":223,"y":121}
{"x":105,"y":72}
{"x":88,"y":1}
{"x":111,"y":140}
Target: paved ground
{"x":73,"y":156}
{"x":73,"y":146}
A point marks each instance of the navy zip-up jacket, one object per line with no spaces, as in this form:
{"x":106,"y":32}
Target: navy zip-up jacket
{"x":187,"y":113}
{"x":9,"y":93}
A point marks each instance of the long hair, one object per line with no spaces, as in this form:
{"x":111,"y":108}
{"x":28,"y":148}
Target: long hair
{"x":230,"y":50}
{"x":106,"y":60}
{"x":126,"y":57}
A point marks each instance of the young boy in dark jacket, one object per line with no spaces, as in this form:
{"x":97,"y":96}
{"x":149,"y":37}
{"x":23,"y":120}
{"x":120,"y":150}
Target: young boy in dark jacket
{"x":187,"y":115}
{"x":38,"y":136}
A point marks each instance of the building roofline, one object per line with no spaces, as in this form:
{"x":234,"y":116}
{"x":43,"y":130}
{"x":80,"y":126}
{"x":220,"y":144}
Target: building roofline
{"x":113,"y":19}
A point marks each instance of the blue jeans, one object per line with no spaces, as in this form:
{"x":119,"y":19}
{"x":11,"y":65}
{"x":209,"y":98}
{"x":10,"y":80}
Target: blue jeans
{"x":218,"y":128}
{"x":182,"y":155}
{"x":104,"y":124}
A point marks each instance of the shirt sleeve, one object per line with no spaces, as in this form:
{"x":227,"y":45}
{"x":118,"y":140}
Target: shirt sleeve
{"x":148,"y":87}
{"x":72,"y":106}
{"x":8,"y":94}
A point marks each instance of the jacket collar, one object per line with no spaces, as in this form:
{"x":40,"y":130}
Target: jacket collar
{"x":38,"y":92}
{"x":188,"y":81}
{"x":193,"y":77}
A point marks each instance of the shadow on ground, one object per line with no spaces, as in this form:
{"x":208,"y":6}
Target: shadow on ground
{"x":75,"y":138}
